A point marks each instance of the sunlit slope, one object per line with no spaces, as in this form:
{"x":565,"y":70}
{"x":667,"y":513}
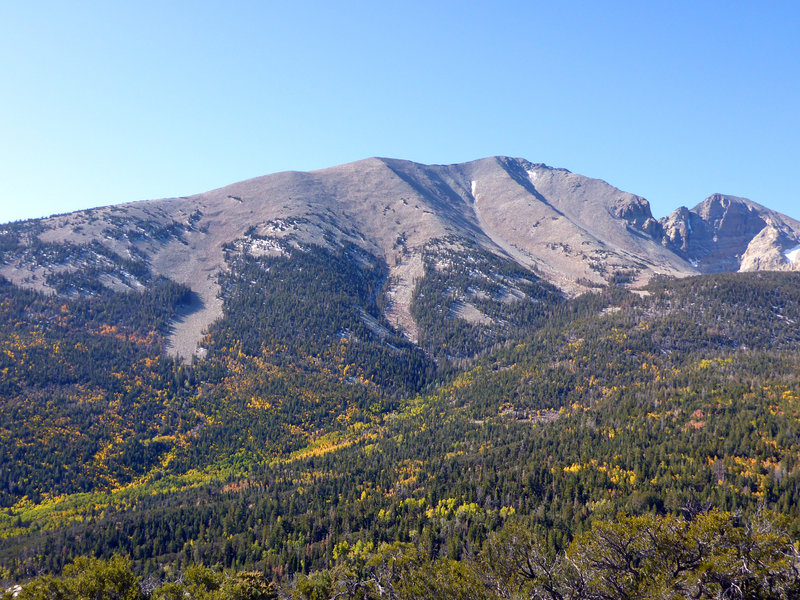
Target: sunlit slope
{"x":617,"y":401}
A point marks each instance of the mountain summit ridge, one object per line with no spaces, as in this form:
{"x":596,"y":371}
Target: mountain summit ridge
{"x":576,"y":232}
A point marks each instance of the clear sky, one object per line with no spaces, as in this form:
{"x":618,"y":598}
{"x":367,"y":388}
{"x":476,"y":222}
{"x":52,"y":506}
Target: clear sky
{"x":108,"y":102}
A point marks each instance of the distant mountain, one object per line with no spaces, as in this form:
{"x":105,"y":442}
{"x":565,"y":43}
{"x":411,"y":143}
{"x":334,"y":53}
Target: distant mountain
{"x":575,"y":232}
{"x":726,"y":233}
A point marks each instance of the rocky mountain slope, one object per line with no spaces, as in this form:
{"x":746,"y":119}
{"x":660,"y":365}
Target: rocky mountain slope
{"x":575,"y":232}
{"x":726,"y":233}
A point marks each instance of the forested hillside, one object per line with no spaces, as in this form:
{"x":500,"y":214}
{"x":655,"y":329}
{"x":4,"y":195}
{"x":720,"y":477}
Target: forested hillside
{"x":313,"y":443}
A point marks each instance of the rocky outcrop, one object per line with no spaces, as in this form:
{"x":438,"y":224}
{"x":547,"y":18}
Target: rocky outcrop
{"x":635,"y":210}
{"x":767,"y":251}
{"x":682,"y":230}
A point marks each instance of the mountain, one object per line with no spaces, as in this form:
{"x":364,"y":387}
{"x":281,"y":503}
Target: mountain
{"x":726,"y":233}
{"x":575,"y":232}
{"x":313,"y":376}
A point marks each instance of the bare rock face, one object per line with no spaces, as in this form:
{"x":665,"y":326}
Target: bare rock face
{"x":726,"y":233}
{"x":681,"y":229}
{"x":732,"y":224}
{"x":767,"y":251}
{"x":576,"y":232}
{"x":635,"y":210}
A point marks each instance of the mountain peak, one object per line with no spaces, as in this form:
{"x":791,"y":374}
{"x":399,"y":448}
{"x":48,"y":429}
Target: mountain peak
{"x":729,"y":233}
{"x":718,"y":204}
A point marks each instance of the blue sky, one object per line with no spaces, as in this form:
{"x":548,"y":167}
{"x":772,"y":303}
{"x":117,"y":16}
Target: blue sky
{"x":111,"y":102}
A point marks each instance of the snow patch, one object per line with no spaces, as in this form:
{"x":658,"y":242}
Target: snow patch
{"x":474,"y":189}
{"x":793,"y":255}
